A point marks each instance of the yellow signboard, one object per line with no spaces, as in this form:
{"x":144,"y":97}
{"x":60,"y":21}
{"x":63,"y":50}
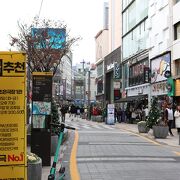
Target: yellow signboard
{"x":12,"y":115}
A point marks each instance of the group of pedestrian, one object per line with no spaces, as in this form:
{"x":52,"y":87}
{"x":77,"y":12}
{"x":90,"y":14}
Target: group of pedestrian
{"x":73,"y":110}
{"x":170,"y":115}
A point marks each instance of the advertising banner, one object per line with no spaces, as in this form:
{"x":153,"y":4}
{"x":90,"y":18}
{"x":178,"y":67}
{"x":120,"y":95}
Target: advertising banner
{"x":110,"y":114}
{"x":159,"y":67}
{"x":13,"y":115}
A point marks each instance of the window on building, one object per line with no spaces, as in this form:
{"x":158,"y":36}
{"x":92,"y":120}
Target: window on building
{"x":136,"y":73}
{"x":177,"y":31}
{"x":100,"y":87}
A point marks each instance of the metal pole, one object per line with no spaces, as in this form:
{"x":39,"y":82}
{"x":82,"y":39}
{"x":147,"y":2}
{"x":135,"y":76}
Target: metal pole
{"x":84,"y":75}
{"x":89,"y":93}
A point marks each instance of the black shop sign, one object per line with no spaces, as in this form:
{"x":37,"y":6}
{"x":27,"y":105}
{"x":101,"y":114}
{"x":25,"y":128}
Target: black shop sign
{"x":42,"y":88}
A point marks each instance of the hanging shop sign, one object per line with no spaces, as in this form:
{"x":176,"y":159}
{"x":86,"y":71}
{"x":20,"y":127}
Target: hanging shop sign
{"x":170,"y":87}
{"x":177,"y":87}
{"x":117,"y":73}
{"x":13,"y":161}
{"x":146,"y":75}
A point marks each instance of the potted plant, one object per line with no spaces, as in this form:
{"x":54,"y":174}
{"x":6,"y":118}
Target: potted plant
{"x":54,"y":130}
{"x":142,"y":127}
{"x":34,"y":167}
{"x":156,"y":121}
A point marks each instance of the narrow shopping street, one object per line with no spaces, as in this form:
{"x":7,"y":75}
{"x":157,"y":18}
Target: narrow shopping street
{"x":107,"y":152}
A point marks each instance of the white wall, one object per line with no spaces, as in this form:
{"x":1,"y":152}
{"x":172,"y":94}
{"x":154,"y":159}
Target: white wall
{"x":176,"y":43}
{"x":115,"y":23}
{"x":159,"y":25}
{"x":102,"y":44}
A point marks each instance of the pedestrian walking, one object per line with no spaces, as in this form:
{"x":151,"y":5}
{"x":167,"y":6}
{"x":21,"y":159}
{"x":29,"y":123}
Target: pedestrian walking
{"x":177,"y":118}
{"x":63,"y":112}
{"x":119,"y":114}
{"x":169,"y":117}
{"x":133,"y":116}
{"x":73,"y":111}
{"x":145,"y":113}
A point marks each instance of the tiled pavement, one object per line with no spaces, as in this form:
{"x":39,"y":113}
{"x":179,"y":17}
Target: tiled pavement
{"x":170,"y":140}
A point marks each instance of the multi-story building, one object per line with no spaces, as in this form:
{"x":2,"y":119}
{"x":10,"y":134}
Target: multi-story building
{"x":113,"y":59}
{"x":91,"y":84}
{"x":164,"y":51}
{"x":62,"y":86}
{"x":135,"y":61}
{"x":79,"y":84}
{"x":175,"y":48}
{"x":84,"y":83}
{"x":159,"y":43}
{"x":101,"y":40}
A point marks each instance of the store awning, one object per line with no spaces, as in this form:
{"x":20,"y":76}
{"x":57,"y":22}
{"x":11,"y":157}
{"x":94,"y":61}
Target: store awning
{"x":132,"y":98}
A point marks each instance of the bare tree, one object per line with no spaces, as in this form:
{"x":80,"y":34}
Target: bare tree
{"x":44,"y":51}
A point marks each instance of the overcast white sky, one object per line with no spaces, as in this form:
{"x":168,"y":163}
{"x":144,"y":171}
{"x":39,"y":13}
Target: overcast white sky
{"x":83,"y":17}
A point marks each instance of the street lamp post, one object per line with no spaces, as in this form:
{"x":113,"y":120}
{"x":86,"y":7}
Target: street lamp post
{"x":89,"y":95}
{"x":84,"y":75}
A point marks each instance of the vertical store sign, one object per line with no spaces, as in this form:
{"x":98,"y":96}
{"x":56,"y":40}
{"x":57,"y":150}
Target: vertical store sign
{"x":12,"y":116}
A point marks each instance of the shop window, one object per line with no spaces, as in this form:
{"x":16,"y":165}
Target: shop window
{"x":100,"y":87}
{"x":177,"y":31}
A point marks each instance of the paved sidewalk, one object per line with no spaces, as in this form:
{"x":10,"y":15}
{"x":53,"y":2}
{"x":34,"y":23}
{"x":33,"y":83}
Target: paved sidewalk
{"x":170,"y":140}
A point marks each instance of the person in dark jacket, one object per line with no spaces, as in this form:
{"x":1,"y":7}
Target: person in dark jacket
{"x":63,"y":112}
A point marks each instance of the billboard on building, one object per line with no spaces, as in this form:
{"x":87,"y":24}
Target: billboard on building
{"x":159,"y":66}
{"x":53,"y":38}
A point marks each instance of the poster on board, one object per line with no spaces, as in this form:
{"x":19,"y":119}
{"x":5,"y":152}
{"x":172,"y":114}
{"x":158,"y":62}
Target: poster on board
{"x":110,"y":114}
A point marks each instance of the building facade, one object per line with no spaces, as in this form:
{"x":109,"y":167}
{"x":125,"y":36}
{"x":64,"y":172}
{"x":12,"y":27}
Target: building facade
{"x":135,"y":60}
{"x":102,"y":48}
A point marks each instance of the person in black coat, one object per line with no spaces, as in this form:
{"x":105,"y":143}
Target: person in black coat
{"x":63,"y":112}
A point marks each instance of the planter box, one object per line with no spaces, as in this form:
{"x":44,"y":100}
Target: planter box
{"x":98,"y":118}
{"x":34,"y":170}
{"x":143,"y":129}
{"x":160,"y":131}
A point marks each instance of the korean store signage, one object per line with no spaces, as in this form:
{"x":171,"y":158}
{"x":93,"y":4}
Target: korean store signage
{"x":117,"y":72}
{"x":12,"y":115}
